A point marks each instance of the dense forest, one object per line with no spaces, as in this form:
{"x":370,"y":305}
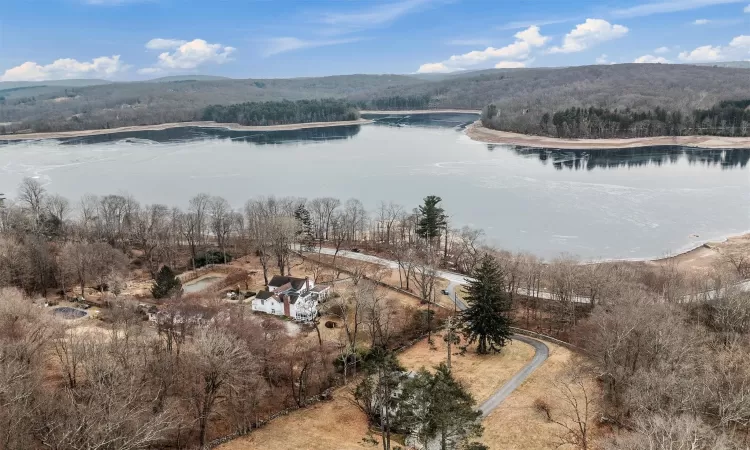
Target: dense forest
{"x":522,"y":96}
{"x":284,"y":112}
{"x":727,"y":118}
{"x":396,"y":103}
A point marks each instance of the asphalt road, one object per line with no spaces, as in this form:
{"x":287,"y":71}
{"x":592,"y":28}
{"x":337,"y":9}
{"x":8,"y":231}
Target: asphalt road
{"x":452,"y":277}
{"x":454,"y":280}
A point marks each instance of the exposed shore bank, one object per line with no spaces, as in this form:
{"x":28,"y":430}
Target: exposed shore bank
{"x":422,"y":111}
{"x":165,"y":126}
{"x":479,"y":133}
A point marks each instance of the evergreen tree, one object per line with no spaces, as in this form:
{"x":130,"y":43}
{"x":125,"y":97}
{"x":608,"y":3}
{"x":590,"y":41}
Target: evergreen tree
{"x":378,"y":394}
{"x":432,"y":219}
{"x":305,"y":232}
{"x":436,"y":407}
{"x":166,"y":283}
{"x":486,"y":319}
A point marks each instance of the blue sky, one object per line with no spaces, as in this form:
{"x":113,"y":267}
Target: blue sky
{"x":139,"y":39}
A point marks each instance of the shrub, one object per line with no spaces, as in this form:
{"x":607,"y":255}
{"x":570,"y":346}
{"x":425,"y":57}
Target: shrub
{"x":211,"y":257}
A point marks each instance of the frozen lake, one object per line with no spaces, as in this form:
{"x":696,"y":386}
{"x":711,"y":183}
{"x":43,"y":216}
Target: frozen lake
{"x":625,"y":203}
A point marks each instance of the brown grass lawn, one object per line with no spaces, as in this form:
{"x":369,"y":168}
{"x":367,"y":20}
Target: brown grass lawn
{"x":330,"y":425}
{"x":481,"y":374}
{"x":387,"y":276}
{"x":339,"y":425}
{"x":517,"y":424}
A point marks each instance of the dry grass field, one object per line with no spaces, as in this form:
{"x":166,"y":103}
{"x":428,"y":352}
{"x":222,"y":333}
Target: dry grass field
{"x":339,"y":425}
{"x":518,"y":425}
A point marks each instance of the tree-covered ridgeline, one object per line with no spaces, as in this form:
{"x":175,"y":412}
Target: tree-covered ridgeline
{"x":726,"y":118}
{"x":283,"y":112}
{"x":397,"y":102}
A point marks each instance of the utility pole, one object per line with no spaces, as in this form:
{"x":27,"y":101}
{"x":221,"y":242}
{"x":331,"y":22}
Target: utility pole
{"x":449,"y":340}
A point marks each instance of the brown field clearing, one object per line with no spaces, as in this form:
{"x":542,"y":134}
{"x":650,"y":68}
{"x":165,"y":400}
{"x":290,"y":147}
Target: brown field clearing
{"x":518,"y":425}
{"x":338,"y":424}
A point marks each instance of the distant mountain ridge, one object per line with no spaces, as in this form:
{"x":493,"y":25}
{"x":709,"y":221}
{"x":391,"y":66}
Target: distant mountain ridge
{"x":731,"y":64}
{"x":62,"y":83}
{"x":172,"y":78}
{"x":522,"y":96}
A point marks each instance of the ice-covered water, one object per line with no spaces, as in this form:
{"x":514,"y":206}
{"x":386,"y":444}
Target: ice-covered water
{"x":625,"y":203}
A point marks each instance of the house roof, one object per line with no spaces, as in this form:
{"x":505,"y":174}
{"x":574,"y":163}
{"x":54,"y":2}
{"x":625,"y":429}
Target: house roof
{"x":296,"y":283}
{"x":262,"y":295}
{"x":320,"y":288}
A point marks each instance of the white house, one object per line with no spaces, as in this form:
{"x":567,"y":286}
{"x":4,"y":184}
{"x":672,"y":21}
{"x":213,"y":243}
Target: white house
{"x":292,"y":297}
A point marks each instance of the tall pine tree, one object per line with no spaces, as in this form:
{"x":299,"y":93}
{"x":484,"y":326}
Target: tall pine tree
{"x":486,"y":320}
{"x":166,"y":283}
{"x":304,"y":233}
{"x":432,"y":218}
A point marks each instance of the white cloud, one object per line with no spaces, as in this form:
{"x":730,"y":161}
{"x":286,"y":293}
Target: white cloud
{"x":278,"y":45}
{"x":531,"y":36}
{"x":588,"y":34}
{"x":150,"y":71}
{"x":701,"y":22}
{"x":704,"y":53}
{"x":741,"y":42}
{"x":661,"y":50}
{"x":530,"y":23}
{"x":104,"y":67}
{"x":602,"y":59}
{"x":510,"y":65}
{"x":186,"y":55}
{"x":668,"y":6}
{"x":164,"y":44}
{"x":521,"y":48}
{"x":747,"y":9}
{"x":738,"y":48}
{"x":651,"y":59}
{"x":436,"y":68}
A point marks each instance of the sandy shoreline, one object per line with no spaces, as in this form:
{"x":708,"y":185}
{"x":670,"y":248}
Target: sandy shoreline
{"x":165,"y":126}
{"x":423,"y":111}
{"x":479,"y":133}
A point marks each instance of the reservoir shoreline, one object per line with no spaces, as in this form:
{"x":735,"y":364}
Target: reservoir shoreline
{"x":475,"y":131}
{"x":488,"y":136}
{"x":166,"y":126}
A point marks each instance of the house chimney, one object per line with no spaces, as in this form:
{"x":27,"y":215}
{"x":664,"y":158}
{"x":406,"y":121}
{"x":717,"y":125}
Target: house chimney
{"x":287,"y":308}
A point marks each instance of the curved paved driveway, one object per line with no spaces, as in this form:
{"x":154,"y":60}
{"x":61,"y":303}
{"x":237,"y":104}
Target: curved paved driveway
{"x":542,"y":352}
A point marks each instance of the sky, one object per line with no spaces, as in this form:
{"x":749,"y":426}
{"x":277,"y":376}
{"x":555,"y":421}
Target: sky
{"x":141,"y":39}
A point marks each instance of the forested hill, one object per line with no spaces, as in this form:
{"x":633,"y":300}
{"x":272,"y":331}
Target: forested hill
{"x":284,"y":112}
{"x":727,"y":118}
{"x":522,"y":96}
